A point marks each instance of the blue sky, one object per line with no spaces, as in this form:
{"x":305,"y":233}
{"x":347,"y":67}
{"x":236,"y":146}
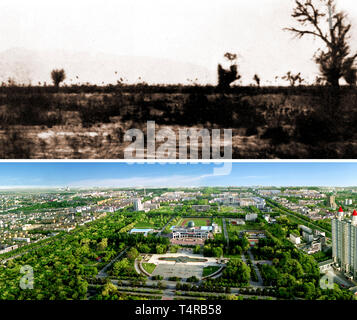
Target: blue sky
{"x":108,"y":174}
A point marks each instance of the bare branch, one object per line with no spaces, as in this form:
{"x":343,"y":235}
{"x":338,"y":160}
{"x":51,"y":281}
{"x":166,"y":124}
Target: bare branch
{"x":303,"y":15}
{"x":335,"y":62}
{"x":301,"y":33}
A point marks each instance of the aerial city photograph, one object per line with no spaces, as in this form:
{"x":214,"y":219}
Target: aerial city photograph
{"x":279,"y":75}
{"x":178,"y":231}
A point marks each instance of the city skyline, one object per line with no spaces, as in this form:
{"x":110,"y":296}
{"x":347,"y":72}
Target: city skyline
{"x":131,"y":175}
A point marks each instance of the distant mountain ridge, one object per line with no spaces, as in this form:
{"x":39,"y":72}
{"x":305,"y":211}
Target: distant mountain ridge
{"x":29,"y":66}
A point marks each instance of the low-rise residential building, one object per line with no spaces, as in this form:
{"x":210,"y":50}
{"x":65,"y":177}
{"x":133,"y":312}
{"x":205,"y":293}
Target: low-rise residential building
{"x":251,"y":217}
{"x":201,"y":208}
{"x":145,"y":232}
{"x":295,"y":239}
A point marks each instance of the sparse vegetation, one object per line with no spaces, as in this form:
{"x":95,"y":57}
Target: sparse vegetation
{"x":228,"y":76}
{"x":334,"y":60}
{"x":284,"y":122}
{"x":257,"y":80}
{"x":293,"y":78}
{"x":58,"y":76}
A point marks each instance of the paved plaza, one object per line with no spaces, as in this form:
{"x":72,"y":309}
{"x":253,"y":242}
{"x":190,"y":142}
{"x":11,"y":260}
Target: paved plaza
{"x":183,"y":265}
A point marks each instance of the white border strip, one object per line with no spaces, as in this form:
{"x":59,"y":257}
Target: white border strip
{"x":214,"y":161}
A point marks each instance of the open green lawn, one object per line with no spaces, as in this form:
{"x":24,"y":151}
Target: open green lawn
{"x":209,"y":270}
{"x":218,"y":221}
{"x":149,"y":267}
{"x":233,"y":228}
{"x":233,"y":210}
{"x":247,"y":226}
{"x":178,"y":223}
{"x":144,"y":225}
{"x":163,"y":209}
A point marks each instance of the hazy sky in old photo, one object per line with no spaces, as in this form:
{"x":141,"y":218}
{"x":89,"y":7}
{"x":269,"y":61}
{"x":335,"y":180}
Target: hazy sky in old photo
{"x":195,"y":31}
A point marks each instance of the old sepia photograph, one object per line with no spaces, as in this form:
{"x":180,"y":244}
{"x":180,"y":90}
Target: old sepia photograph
{"x":178,"y":79}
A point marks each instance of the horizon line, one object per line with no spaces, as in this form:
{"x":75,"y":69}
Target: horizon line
{"x":175,"y":187}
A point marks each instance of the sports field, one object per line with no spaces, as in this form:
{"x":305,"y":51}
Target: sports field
{"x":199,"y":222}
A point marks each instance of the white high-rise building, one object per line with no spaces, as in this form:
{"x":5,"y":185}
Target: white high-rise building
{"x":344,"y":242}
{"x":138,"y":205}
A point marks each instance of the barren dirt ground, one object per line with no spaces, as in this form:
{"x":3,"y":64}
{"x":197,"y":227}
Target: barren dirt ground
{"x":92,"y":126}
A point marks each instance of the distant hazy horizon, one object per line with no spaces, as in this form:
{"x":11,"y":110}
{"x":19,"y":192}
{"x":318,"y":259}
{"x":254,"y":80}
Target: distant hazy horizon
{"x":187,"y":32}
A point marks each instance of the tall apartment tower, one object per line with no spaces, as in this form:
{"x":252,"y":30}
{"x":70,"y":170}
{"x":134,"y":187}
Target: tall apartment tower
{"x":344,"y":242}
{"x":138,"y":205}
